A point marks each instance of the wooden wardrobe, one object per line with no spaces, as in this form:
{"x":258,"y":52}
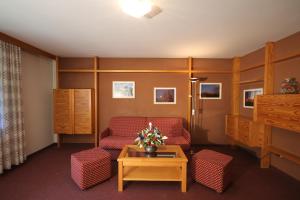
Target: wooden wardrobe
{"x":73,"y":111}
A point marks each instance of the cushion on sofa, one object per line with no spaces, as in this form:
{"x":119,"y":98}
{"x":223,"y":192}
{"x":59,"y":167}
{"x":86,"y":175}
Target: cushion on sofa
{"x":169,"y":126}
{"x":115,"y":142}
{"x":123,"y":131}
{"x":127,"y":126}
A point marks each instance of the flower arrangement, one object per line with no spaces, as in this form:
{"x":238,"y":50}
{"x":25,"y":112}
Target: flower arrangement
{"x":290,"y":86}
{"x":150,"y":136}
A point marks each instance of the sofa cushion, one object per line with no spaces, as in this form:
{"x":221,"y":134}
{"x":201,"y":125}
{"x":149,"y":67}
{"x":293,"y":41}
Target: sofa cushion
{"x":178,"y":140}
{"x":115,"y":142}
{"x":127,"y":126}
{"x":118,"y":142}
{"x":169,"y":126}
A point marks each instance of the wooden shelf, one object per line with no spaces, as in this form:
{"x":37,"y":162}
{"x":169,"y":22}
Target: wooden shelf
{"x":152,"y":174}
{"x":286,"y":58}
{"x":61,"y":67}
{"x":76,"y":70}
{"x":284,"y":154}
{"x":163,"y":71}
{"x":140,"y":71}
{"x":211,"y":72}
{"x":252,"y":67}
{"x":282,"y":111}
{"x":251,"y":81}
{"x":121,"y":71}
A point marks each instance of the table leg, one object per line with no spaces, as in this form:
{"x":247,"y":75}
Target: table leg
{"x":120,"y":176}
{"x":183,"y":177}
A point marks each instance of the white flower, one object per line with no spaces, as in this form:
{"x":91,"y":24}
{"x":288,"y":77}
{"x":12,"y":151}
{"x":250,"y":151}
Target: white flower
{"x":150,"y":125}
{"x":164,"y":137}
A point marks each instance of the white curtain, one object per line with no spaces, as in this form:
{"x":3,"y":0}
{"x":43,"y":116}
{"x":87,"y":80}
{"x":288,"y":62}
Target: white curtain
{"x":11,"y":117}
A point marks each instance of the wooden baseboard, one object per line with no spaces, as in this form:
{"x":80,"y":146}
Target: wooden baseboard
{"x":78,"y":138}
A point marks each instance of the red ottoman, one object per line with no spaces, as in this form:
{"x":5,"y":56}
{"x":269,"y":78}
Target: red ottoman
{"x":90,"y":167}
{"x":211,"y":169}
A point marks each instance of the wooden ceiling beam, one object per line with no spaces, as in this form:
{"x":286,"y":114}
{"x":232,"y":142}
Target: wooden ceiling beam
{"x":25,"y":46}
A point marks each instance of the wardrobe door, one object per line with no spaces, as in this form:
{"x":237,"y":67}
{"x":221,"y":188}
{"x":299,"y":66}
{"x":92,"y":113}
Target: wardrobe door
{"x":83,"y":111}
{"x":63,"y":111}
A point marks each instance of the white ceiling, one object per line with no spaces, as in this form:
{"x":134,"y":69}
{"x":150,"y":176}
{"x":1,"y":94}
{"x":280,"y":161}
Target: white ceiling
{"x":197,"y":28}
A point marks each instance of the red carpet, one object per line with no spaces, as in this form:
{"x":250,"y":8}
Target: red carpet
{"x":46,"y":176}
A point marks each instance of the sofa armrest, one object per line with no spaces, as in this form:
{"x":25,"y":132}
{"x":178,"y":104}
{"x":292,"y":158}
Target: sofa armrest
{"x":186,"y":135}
{"x":104,"y":134}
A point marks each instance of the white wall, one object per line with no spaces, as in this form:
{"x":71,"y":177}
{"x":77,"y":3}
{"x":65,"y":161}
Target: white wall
{"x":37,"y":84}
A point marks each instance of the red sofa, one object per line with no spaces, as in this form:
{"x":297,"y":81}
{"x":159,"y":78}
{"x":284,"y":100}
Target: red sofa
{"x":123,"y":130}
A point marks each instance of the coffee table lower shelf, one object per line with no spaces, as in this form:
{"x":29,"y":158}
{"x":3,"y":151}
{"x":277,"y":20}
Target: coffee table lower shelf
{"x":135,"y":173}
{"x":134,"y":168}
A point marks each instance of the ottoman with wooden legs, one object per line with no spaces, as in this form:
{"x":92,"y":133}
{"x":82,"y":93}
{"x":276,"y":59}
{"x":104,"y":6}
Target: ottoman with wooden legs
{"x":212,"y":169}
{"x":90,"y":167}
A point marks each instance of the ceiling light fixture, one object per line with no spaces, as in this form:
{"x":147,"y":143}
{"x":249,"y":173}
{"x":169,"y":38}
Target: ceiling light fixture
{"x":136,"y":8}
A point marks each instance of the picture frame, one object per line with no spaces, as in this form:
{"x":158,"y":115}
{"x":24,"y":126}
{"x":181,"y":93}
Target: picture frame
{"x":164,"y":95}
{"x":248,"y":97}
{"x":123,"y":89}
{"x":210,"y":91}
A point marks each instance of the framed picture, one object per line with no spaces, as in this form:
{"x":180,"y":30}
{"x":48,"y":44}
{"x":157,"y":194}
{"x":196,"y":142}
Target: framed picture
{"x":248,"y":98}
{"x":123,"y":89}
{"x":163,"y":95}
{"x":210,"y":90}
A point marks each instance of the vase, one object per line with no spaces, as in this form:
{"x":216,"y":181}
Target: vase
{"x":150,"y":149}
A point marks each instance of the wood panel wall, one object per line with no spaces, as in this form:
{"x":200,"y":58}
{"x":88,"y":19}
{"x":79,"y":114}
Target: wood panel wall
{"x":210,"y":114}
{"x":149,"y":73}
{"x":283,"y":139}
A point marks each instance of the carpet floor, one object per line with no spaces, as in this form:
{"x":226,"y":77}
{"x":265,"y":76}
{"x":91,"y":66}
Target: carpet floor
{"x":46,"y":176}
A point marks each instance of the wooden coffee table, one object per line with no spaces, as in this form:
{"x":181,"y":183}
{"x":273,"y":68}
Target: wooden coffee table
{"x":169,"y":164}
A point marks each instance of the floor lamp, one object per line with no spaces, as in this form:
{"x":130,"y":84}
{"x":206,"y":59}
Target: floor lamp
{"x":194,"y":81}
